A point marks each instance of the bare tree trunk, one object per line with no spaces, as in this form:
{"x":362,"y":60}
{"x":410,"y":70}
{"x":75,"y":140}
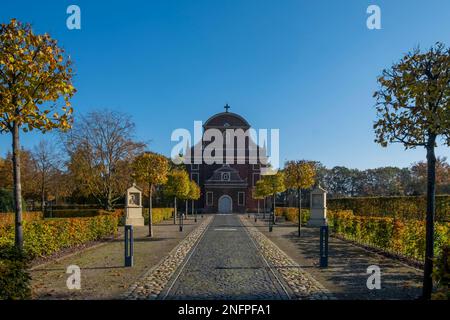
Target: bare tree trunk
{"x":299,"y":191}
{"x":175,"y":210}
{"x":187,"y":209}
{"x":109,"y":200}
{"x":150,"y":211}
{"x":264,"y":213}
{"x":18,"y":240}
{"x":431,"y":193}
{"x":274,"y":207}
{"x":43,"y":193}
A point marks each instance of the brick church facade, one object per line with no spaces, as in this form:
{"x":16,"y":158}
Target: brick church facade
{"x":227,"y":187}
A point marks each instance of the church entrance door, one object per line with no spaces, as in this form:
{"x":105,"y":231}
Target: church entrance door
{"x":225,"y":204}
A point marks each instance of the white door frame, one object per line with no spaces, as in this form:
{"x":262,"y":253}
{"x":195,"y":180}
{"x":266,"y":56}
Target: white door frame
{"x":231,"y":203}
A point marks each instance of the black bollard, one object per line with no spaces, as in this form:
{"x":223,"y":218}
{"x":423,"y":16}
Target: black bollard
{"x":324,"y":246}
{"x":181,"y":222}
{"x":270,"y":223}
{"x":129,"y":243}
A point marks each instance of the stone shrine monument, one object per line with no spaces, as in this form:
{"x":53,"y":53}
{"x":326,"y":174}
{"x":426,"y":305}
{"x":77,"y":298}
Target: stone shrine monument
{"x":318,"y":202}
{"x":133,"y":207}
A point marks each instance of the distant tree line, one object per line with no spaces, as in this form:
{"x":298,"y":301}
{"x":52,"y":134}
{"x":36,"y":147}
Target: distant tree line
{"x":84,"y":168}
{"x":90,"y":164}
{"x":341,"y":182}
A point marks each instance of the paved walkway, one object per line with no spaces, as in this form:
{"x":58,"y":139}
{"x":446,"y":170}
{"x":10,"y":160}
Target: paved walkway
{"x":226,"y":257}
{"x":346,"y":275}
{"x":226,"y":264}
{"x":103,"y":275}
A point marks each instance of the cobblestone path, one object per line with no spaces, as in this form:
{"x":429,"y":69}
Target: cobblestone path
{"x":226,"y":264}
{"x":150,"y":285}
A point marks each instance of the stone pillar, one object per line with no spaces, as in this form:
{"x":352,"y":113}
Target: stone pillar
{"x":133,"y":207}
{"x":318,"y":207}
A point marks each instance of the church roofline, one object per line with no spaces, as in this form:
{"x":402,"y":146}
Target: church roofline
{"x":226,"y":113}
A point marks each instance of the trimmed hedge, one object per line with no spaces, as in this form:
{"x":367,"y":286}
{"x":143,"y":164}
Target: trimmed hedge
{"x":158,"y":214}
{"x":8,"y":218}
{"x":80,"y":207}
{"x":441,"y":275}
{"x":45,"y":237}
{"x":7,"y":201}
{"x":403,"y":237}
{"x":395,"y":207}
{"x":291,"y":214}
{"x":14,"y":276}
{"x":73,"y":213}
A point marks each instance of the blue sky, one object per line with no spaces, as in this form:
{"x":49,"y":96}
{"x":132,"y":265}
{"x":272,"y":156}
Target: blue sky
{"x":308,"y":68}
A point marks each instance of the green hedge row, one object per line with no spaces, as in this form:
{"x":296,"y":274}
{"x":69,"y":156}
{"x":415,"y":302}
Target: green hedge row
{"x":441,"y":275}
{"x":291,"y":214}
{"x":14,"y":276}
{"x":158,"y":214}
{"x":73,"y":213}
{"x":395,"y":207}
{"x":8,"y":218}
{"x":45,"y":237}
{"x":404,"y":237}
{"x":7,"y":201}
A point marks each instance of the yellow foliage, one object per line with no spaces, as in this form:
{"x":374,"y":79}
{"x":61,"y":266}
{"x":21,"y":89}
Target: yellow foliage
{"x":273,"y":183}
{"x":260,"y":191}
{"x":177,"y":184}
{"x":151,"y":168}
{"x":299,"y":174}
{"x":194,"y":191}
{"x":31,"y":74}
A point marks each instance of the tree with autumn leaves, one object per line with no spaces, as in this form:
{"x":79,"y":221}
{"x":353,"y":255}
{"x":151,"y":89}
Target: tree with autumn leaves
{"x":194,"y":194}
{"x":260,"y":192}
{"x":272,"y":184}
{"x":151,"y":169}
{"x":35,"y":76}
{"x":413,"y":108}
{"x":177,"y":186}
{"x":299,"y":175}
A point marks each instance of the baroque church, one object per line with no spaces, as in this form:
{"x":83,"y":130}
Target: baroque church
{"x":228,"y":187}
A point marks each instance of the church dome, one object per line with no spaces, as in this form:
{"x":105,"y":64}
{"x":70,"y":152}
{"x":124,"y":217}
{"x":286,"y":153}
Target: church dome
{"x":225,"y":120}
